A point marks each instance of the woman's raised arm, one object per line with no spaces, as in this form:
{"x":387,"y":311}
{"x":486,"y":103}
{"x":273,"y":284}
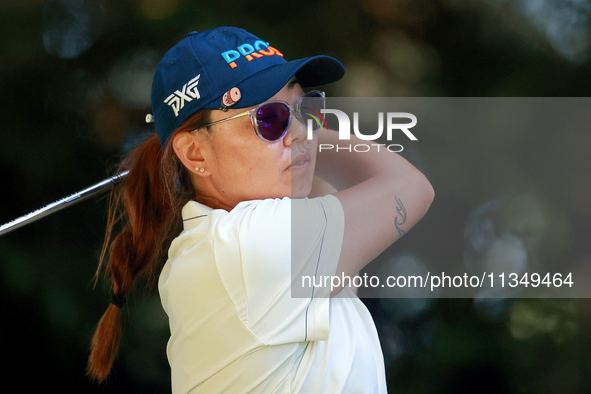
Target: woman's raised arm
{"x":382,"y":194}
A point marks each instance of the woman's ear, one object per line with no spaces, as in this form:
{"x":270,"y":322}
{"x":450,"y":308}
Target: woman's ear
{"x":188,"y":147}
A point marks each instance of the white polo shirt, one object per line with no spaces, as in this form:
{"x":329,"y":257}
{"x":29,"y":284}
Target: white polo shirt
{"x":235,"y":327}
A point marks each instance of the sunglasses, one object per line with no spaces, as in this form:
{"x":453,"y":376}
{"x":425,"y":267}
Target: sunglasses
{"x":271,"y":119}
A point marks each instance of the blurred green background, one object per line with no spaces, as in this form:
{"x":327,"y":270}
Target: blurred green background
{"x":75,"y":78}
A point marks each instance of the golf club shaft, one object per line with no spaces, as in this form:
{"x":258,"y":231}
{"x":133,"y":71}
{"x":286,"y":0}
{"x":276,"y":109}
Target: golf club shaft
{"x":66,"y":202}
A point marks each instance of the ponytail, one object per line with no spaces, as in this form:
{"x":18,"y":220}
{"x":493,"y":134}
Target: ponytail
{"x":146,"y":205}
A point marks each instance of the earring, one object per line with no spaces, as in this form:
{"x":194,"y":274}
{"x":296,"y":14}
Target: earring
{"x":199,"y":169}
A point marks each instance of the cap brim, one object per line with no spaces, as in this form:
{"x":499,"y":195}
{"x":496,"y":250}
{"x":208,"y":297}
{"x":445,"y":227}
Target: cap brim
{"x":310,"y":71}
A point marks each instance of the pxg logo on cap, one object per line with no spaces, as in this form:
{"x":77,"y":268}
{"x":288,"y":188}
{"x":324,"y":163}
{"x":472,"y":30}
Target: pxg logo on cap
{"x":189,"y":92}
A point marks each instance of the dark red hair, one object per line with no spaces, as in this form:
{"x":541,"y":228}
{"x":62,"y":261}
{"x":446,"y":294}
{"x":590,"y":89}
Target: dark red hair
{"x":146,"y":206}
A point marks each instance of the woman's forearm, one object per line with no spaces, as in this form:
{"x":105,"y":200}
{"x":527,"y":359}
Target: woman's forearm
{"x":382,"y":194}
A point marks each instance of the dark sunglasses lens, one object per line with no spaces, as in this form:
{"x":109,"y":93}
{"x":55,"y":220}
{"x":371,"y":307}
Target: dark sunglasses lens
{"x":310,"y":109}
{"x":272,"y":120}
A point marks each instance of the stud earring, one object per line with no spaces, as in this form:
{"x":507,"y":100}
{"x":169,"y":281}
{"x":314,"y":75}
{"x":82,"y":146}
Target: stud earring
{"x":199,"y":169}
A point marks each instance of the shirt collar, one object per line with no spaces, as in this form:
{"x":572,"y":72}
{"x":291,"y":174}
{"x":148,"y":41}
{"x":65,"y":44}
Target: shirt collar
{"x":193,"y":213}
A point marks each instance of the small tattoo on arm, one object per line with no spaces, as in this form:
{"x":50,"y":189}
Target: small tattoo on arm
{"x":400,"y":216}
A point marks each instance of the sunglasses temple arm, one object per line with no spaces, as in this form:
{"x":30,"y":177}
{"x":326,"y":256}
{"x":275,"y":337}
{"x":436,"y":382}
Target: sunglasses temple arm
{"x":66,"y":202}
{"x":230,"y":118}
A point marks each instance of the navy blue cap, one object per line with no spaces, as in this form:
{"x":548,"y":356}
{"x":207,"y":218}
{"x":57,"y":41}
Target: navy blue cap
{"x":197,"y":72}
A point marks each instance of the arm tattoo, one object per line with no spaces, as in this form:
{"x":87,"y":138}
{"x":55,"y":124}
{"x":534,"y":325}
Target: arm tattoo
{"x":400,"y":217}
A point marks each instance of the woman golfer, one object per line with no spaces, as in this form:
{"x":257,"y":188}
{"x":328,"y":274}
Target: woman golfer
{"x":225,"y":194}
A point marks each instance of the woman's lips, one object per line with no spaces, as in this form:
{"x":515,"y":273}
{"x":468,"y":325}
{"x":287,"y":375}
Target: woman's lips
{"x":299,"y":165}
{"x":300,"y":162}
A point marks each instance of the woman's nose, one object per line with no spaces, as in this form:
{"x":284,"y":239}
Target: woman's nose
{"x":296,"y":132}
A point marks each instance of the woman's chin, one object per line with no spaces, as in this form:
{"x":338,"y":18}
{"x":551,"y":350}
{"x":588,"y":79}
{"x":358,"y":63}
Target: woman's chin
{"x":301,"y":191}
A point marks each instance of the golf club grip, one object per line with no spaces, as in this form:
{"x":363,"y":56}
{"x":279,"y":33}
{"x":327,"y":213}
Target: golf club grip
{"x":66,"y":202}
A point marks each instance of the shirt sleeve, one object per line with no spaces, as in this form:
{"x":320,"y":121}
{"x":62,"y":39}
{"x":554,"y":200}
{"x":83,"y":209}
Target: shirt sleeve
{"x":280,"y":241}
